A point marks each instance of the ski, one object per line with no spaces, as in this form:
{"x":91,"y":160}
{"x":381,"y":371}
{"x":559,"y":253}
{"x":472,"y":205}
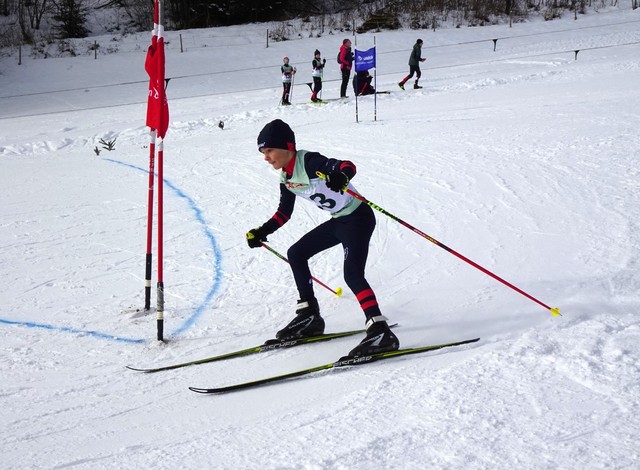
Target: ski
{"x":268,"y":345}
{"x":342,"y":362}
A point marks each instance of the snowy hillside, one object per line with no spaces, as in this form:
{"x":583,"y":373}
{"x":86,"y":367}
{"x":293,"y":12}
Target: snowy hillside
{"x":523,"y":159}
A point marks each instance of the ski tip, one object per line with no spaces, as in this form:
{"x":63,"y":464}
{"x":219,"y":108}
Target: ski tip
{"x":137,"y":369}
{"x":210,"y":391}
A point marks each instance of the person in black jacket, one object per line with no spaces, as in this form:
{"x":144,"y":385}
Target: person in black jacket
{"x":351,"y":224}
{"x":362,"y":83}
{"x":414,"y":65}
{"x":318,"y":65}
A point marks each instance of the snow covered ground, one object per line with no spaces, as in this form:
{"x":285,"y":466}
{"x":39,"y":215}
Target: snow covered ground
{"x":523,"y":159}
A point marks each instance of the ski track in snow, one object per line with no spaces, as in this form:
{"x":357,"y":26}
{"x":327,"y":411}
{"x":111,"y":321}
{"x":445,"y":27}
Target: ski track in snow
{"x":523,"y":159}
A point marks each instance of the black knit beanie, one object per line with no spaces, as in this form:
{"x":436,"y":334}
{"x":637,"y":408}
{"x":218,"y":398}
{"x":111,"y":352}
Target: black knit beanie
{"x":277,"y":135}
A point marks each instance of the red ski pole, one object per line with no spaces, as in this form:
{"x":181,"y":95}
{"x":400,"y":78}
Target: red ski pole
{"x":554,"y":311}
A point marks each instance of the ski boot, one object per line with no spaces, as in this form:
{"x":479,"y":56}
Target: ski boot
{"x":379,"y":338}
{"x":307,"y":322}
{"x":416,"y":86}
{"x":401,"y":85}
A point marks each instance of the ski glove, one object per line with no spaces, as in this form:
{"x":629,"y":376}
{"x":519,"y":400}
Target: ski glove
{"x":255,"y":237}
{"x":337,"y":181}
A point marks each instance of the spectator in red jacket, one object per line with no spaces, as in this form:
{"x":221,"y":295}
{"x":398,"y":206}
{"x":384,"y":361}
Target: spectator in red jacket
{"x":345,"y":58}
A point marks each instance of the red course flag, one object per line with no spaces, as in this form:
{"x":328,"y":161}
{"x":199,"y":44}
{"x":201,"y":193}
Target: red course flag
{"x":157,"y":106}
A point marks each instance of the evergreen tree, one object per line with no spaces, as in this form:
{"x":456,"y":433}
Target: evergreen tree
{"x":70,"y":17}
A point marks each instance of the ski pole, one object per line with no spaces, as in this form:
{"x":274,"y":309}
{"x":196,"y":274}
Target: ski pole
{"x":554,"y":311}
{"x":293,"y":78}
{"x":338,"y":290}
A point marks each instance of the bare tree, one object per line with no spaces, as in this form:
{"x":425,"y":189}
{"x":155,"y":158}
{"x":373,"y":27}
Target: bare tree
{"x":35,"y":10}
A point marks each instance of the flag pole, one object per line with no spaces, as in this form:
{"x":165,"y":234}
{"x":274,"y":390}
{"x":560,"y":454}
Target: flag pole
{"x":149,"y":255}
{"x":152,"y":154}
{"x":160,"y":293}
{"x":158,"y":122}
{"x":355,"y":90}
{"x":375,"y":81}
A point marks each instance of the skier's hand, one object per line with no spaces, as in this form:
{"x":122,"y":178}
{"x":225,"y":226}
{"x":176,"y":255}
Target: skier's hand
{"x":324,"y":61}
{"x":422,"y":60}
{"x":337,"y":181}
{"x":255,"y":237}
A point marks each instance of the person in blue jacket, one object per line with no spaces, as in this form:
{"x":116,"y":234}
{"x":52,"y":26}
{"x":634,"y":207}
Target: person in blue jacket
{"x":351,"y":224}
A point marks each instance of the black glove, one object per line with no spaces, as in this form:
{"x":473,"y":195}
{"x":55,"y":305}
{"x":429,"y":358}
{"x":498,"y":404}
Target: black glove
{"x":324,"y":61}
{"x":255,"y":237}
{"x":337,"y":181}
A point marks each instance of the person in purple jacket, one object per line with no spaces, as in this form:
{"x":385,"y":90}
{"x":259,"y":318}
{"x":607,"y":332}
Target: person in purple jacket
{"x":351,"y":224}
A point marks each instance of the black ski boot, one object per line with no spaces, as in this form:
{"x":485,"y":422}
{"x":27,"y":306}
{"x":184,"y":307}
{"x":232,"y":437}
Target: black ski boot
{"x":307,"y":322}
{"x":416,"y":86}
{"x":379,"y":339}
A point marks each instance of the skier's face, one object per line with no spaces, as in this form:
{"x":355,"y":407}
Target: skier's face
{"x":277,"y":158}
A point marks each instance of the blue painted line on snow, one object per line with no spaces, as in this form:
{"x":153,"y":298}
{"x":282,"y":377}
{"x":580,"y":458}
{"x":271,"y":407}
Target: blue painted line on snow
{"x":68,"y":329}
{"x":195,"y":314}
{"x":218,"y":261}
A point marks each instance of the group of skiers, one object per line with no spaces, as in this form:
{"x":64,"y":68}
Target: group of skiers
{"x":361,"y":80}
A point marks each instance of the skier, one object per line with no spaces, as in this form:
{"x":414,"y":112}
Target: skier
{"x":345,"y":59}
{"x":351,"y":224}
{"x":287,"y":78}
{"x":318,"y":66}
{"x":414,"y":65}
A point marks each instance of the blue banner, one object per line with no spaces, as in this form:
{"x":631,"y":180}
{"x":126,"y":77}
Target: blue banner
{"x":365,"y":60}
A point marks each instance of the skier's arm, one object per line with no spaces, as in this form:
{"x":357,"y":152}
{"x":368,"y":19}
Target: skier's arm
{"x":256,"y":236}
{"x":283,"y":214}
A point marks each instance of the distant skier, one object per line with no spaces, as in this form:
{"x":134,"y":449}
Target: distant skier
{"x":318,"y":66}
{"x":351,"y":224}
{"x":414,"y":65}
{"x":287,"y":78}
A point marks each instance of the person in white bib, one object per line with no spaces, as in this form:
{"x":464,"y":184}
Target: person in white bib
{"x":351,"y":224}
{"x":317,"y":65}
{"x":288,"y":71}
